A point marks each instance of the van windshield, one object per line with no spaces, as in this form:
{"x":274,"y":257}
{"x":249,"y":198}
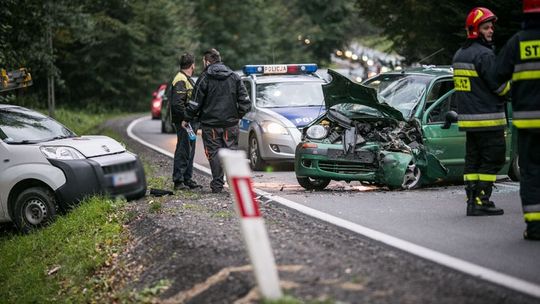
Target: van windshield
{"x":20,"y":125}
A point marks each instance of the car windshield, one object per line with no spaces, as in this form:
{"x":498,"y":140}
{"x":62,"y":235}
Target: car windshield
{"x":400,"y":91}
{"x":19,"y":125}
{"x":289,"y":94}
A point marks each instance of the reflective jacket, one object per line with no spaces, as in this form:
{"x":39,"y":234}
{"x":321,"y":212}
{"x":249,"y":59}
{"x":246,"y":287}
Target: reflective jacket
{"x":479,"y":106}
{"x":519,"y":60}
{"x":182,"y":88}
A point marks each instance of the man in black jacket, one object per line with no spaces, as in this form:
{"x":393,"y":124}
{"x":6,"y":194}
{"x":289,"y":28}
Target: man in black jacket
{"x":220,"y":101}
{"x":181,"y":92}
{"x":481,"y":112}
{"x":519,"y":60}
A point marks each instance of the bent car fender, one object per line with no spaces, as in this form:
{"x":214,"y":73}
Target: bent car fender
{"x":394,"y":165}
{"x":431,"y":167}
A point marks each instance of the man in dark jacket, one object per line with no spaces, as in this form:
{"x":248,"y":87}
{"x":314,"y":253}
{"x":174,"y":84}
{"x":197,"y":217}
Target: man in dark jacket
{"x":181,"y":93}
{"x":220,"y":101}
{"x":481,"y":112}
{"x":519,"y":60}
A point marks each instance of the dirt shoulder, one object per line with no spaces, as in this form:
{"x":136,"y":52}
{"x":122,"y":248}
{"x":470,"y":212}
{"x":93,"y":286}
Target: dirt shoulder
{"x":188,"y":248}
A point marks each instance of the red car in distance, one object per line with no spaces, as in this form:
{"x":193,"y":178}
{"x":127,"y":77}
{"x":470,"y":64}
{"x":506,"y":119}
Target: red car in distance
{"x":157,"y":98}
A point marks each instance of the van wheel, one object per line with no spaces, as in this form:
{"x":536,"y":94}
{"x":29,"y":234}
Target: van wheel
{"x":35,"y":207}
{"x":513,"y":171}
{"x":313,"y":183}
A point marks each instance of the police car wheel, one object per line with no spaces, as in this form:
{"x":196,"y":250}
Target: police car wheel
{"x":255,"y":161}
{"x":513,"y":170}
{"x":35,"y":207}
{"x":312,"y":183}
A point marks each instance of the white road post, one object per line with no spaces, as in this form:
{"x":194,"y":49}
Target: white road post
{"x":252,"y":224}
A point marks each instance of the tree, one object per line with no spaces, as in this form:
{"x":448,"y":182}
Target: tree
{"x":431,"y":31}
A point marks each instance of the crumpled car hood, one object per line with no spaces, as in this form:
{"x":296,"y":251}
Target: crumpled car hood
{"x":342,"y":90}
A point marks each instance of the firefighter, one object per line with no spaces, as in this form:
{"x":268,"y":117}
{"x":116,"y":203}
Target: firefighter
{"x":481,"y":112}
{"x":519,"y":61}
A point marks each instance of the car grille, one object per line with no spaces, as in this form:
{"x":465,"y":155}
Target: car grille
{"x":346,"y":167}
{"x":116,"y":168}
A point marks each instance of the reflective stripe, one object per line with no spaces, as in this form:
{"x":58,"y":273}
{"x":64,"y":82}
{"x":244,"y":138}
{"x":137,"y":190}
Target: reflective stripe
{"x":481,"y":120}
{"x":481,"y":123}
{"x":485,"y":116}
{"x":193,"y":103}
{"x":487,"y":177}
{"x":531,"y":208}
{"x":526,"y":123}
{"x":468,"y":73}
{"x":529,"y":66}
{"x":526,"y":119}
{"x":526,"y":75}
{"x":503,"y":89}
{"x":526,"y":115}
{"x":470,"y":177}
{"x":463,"y":65}
{"x":532,"y":217}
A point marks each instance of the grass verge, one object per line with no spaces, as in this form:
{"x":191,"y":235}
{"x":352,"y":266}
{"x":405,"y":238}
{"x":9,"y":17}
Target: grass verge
{"x":53,"y":264}
{"x":67,"y":261}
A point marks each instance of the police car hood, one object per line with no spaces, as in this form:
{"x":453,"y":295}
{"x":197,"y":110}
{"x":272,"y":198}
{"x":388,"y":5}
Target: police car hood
{"x":91,"y":146}
{"x":299,"y":116}
{"x":218,"y":71}
{"x":342,"y":90}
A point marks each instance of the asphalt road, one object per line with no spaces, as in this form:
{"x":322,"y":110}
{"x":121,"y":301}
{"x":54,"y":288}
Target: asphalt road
{"x":433,"y":218}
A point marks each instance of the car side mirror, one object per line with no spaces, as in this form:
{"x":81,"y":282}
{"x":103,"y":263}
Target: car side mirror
{"x":449,"y":118}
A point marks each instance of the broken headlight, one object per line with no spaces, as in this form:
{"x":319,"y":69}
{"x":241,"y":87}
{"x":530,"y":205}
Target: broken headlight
{"x":316,"y":132}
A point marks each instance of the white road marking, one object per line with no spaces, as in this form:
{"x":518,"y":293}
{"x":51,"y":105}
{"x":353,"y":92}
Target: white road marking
{"x":423,"y":252}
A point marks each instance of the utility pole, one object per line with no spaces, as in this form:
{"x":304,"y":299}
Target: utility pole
{"x":50,"y":73}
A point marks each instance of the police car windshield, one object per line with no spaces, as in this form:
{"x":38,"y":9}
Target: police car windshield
{"x":289,"y":94}
{"x":400,"y":91}
{"x":18,"y":125}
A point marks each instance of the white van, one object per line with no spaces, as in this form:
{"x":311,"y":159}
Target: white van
{"x":46,"y":168}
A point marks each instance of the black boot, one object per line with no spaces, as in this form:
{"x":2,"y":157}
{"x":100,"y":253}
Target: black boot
{"x":532,"y":233}
{"x":482,"y":205}
{"x":470,"y":191}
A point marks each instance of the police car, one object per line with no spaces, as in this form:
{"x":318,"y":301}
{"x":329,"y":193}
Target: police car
{"x":47,"y":168}
{"x":285,"y":98}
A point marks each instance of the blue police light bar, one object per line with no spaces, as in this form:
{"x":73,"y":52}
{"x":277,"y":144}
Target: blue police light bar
{"x":291,"y":69}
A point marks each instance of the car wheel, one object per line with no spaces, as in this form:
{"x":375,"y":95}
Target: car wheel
{"x":34,"y":208}
{"x":513,"y":171}
{"x":411,"y":178}
{"x":313,"y":183}
{"x":255,"y":160}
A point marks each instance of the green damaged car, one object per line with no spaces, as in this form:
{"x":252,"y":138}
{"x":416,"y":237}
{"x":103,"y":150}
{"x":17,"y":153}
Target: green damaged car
{"x":397,"y":129}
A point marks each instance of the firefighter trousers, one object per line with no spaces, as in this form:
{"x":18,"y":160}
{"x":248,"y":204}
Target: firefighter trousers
{"x":484,"y":155}
{"x":529,"y":165}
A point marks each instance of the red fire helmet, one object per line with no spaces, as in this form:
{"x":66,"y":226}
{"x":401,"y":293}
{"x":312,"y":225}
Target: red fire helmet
{"x":477,"y":16}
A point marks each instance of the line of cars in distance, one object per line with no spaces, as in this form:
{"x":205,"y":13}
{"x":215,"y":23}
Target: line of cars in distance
{"x":397,"y":129}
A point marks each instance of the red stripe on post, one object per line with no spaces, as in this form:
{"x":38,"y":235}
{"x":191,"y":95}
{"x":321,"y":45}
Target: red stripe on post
{"x":246,"y":197}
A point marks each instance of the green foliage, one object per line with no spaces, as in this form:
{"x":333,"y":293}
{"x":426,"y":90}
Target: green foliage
{"x":419,"y":29}
{"x":256,"y":31}
{"x":113,"y":53}
{"x":54,"y":264}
